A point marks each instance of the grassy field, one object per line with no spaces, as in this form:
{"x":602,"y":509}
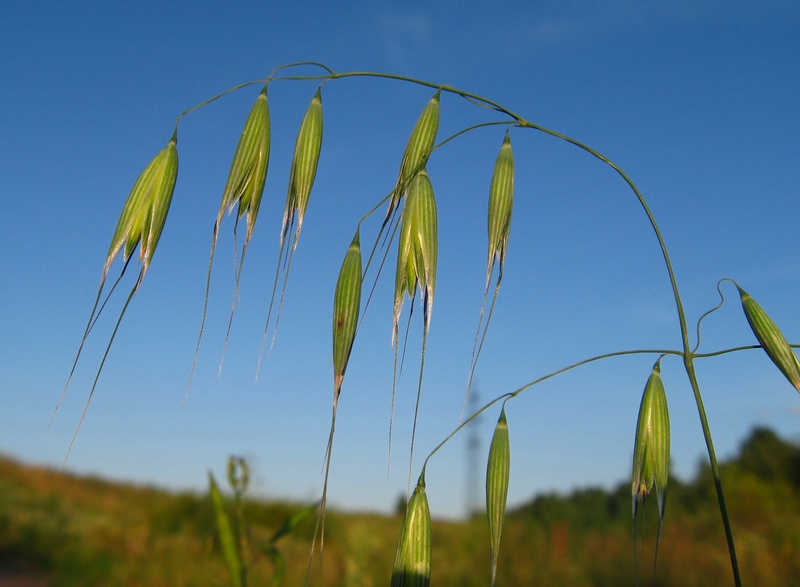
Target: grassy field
{"x":59,"y":530}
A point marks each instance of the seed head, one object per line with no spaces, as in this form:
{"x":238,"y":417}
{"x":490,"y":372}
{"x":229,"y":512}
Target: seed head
{"x":145,"y":212}
{"x":651,"y":449}
{"x":412,"y":563}
{"x":771,"y":338}
{"x":418,"y":247}
{"x":304,"y":166}
{"x":248,"y":173}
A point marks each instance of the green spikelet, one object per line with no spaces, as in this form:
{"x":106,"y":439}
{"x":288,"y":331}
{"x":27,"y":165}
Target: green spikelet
{"x":771,"y":338}
{"x":412,"y":563}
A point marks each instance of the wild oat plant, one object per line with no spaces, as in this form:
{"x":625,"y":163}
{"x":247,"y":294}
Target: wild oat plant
{"x":411,"y":222}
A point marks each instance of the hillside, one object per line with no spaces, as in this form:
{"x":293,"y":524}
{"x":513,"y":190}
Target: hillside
{"x":60,"y":530}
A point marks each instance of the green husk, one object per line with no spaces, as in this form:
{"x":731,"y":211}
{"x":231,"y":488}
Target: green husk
{"x":248,"y":172}
{"x":771,"y":338}
{"x":304,"y":167}
{"x":418,"y":248}
{"x":145,"y":211}
{"x":651,"y":448}
{"x":417,"y":150}
{"x":497,"y":475}
{"x":412,"y":563}
{"x":501,"y":200}
{"x":346,"y":306}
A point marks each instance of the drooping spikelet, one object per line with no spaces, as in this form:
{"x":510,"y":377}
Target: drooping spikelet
{"x":346,"y":306}
{"x":418,"y":248}
{"x":501,"y":200}
{"x":145,"y":211}
{"x":651,"y":447}
{"x":304,"y":167}
{"x":248,"y":173}
{"x":417,"y":150}
{"x":497,"y":474}
{"x":412,"y":563}
{"x":771,"y":338}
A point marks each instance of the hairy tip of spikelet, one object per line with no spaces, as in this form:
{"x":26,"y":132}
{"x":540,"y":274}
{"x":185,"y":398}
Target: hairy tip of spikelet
{"x":651,"y":447}
{"x":346,"y":305}
{"x":412,"y":563}
{"x":145,"y":211}
{"x":304,"y":165}
{"x":771,"y":338}
{"x":418,"y":247}
{"x":248,"y":172}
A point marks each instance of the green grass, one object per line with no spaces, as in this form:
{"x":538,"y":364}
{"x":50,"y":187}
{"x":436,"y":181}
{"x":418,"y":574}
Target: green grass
{"x":86,"y":531}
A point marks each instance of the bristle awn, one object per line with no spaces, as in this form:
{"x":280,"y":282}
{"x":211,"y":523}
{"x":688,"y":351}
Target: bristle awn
{"x":141,"y":223}
{"x":269,"y":310}
{"x":93,"y":317}
{"x":346,"y":307}
{"x":416,"y":405}
{"x":132,"y":293}
{"x":396,"y":374}
{"x":501,"y":200}
{"x":245,"y":187}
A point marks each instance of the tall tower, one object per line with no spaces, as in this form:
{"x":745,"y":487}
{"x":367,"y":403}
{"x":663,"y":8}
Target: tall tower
{"x":473,"y":503}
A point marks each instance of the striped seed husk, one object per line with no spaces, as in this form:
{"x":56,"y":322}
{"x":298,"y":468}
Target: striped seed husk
{"x":346,"y":306}
{"x":501,"y":200}
{"x":145,"y":211}
{"x":418,"y":247}
{"x":417,"y":149}
{"x":771,"y":338}
{"x":412,"y":563}
{"x":497,"y":474}
{"x":304,"y":166}
{"x":651,"y":447}
{"x":248,"y":173}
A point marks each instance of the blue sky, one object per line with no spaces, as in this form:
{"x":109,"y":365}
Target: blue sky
{"x":697,"y":101}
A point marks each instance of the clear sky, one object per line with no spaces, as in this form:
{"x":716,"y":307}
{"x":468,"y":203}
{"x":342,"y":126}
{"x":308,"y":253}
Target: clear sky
{"x":697,"y":101}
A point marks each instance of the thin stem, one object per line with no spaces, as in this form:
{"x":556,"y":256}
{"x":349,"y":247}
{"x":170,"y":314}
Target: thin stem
{"x":512,"y":394}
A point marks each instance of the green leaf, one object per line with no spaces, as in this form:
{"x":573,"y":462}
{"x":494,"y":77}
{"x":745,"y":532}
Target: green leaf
{"x":227,"y":540}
